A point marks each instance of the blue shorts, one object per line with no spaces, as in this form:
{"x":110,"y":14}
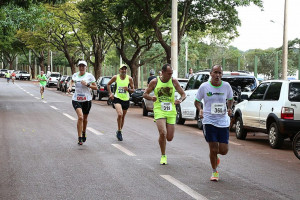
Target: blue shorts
{"x":215,"y":134}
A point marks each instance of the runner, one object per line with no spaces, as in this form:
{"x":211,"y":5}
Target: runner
{"x":216,"y":95}
{"x":7,"y":76}
{"x":82,"y":98}
{"x":13,"y":77}
{"x":43,"y":81}
{"x":120,"y":97}
{"x":164,"y":106}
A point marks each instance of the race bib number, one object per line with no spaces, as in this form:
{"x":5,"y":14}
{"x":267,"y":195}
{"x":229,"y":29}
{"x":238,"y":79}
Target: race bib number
{"x":218,"y":108}
{"x":121,"y":90}
{"x":81,"y":97}
{"x":166,"y":106}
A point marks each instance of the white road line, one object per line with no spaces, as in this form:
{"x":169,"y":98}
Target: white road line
{"x":184,"y":187}
{"x":94,"y":131}
{"x":124,"y":150}
{"x":69,"y":116}
{"x":31,"y":94}
{"x":54,"y":107}
{"x":234,"y":143}
{"x":36,"y":97}
{"x":44,"y":101}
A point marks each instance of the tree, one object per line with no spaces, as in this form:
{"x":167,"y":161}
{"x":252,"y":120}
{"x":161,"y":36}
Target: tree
{"x":208,"y":17}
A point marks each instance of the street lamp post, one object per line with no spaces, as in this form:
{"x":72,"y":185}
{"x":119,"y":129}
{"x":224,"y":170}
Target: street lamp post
{"x":285,"y":43}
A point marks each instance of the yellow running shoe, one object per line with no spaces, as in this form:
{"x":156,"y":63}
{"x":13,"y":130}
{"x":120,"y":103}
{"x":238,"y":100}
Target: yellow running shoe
{"x":214,"y":176}
{"x":42,"y":96}
{"x":163,"y":160}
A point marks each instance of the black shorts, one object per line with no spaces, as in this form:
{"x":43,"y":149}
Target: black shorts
{"x":85,"y":106}
{"x":124,"y":104}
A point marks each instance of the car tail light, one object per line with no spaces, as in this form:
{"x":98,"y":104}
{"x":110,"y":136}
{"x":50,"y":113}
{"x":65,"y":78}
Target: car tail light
{"x":235,"y":73}
{"x":287,"y":113}
{"x":49,"y":79}
{"x":101,"y":88}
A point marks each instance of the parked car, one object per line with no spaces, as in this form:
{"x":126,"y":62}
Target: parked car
{"x":66,"y":84}
{"x":52,"y":78}
{"x":60,"y":82}
{"x":241,"y":83}
{"x":273,"y":108}
{"x":183,"y":82}
{"x":101,"y":87}
{"x":22,"y":75}
{"x":3,"y":72}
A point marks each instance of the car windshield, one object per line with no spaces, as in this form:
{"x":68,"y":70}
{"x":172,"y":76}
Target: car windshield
{"x":55,"y":75}
{"x":294,"y":93}
{"x":23,"y":72}
{"x":246,"y":83}
{"x":105,"y":80}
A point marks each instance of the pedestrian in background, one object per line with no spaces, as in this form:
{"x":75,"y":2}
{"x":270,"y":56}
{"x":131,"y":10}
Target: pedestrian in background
{"x":151,"y":76}
{"x":43,"y":81}
{"x":190,"y":74}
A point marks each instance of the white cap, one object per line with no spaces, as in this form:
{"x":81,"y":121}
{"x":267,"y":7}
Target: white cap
{"x":82,"y":62}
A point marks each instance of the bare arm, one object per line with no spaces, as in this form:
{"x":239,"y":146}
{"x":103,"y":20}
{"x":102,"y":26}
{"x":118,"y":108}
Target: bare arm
{"x":199,"y":108}
{"x":131,"y":90}
{"x":180,"y":91}
{"x":149,"y":89}
{"x":70,"y":87}
{"x":229,"y":107}
{"x":112,"y":80}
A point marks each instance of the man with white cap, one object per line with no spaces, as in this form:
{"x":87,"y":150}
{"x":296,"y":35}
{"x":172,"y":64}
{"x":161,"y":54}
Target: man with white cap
{"x":120,"y":97}
{"x":82,"y":99}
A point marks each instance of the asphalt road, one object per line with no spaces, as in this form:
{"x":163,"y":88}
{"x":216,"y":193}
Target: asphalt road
{"x":40,"y":158}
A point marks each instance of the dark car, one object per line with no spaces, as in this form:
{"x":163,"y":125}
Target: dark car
{"x":65,"y":84}
{"x":60,"y":82}
{"x":101,"y":87}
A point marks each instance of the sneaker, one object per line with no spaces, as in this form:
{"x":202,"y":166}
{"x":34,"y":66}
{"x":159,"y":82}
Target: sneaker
{"x":163,"y":160}
{"x":83,"y":137}
{"x":214,"y":176}
{"x":119,"y":135}
{"x":218,"y":161}
{"x":42,"y":96}
{"x":80,"y":140}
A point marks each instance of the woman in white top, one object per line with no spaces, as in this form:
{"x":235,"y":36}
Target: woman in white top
{"x":82,"y":99}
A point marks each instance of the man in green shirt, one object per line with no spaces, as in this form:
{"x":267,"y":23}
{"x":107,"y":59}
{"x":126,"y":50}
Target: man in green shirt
{"x":43,"y":81}
{"x":164,"y":87}
{"x":7,"y":75}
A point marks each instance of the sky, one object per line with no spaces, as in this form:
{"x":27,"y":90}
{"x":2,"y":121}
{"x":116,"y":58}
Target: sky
{"x":257,"y":31}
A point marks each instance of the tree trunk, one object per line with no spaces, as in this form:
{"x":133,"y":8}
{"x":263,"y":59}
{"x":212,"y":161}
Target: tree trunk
{"x":134,"y":74}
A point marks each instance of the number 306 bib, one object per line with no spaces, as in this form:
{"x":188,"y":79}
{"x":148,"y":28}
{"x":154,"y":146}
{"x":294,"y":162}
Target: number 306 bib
{"x":218,"y":108}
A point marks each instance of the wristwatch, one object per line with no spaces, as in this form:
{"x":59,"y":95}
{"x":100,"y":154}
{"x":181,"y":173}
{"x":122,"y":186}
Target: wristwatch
{"x":88,"y":85}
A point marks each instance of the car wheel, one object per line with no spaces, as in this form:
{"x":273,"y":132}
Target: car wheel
{"x":296,"y":145}
{"x":93,"y":96}
{"x":240,"y":132}
{"x":145,"y":111}
{"x":109,"y":101}
{"x":275,"y":138}
{"x":99,"y":97}
{"x":179,"y":119}
{"x":199,"y":124}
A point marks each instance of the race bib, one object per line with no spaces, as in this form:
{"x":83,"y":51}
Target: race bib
{"x":166,"y":106}
{"x":81,"y":97}
{"x":218,"y":108}
{"x":121,"y":90}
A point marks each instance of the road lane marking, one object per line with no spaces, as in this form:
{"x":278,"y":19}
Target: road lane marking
{"x":54,"y":107}
{"x":36,"y":97}
{"x":31,"y":95}
{"x":69,"y":116}
{"x":234,"y":143}
{"x":184,"y":187}
{"x":124,"y":150}
{"x":94,"y":131}
{"x":44,"y":101}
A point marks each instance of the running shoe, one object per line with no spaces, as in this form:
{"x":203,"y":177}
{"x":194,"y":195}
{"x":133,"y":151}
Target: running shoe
{"x":80,"y":140}
{"x":163,"y":160}
{"x":83,"y":137}
{"x":119,"y":135}
{"x":218,"y":161}
{"x":214,"y":176}
{"x":42,"y":96}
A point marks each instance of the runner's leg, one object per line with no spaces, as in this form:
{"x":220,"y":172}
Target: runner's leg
{"x":170,"y":132}
{"x":161,"y":126}
{"x":213,"y":152}
{"x":85,"y":121}
{"x":79,"y":121}
{"x":123,"y":118}
{"x":119,"y":110}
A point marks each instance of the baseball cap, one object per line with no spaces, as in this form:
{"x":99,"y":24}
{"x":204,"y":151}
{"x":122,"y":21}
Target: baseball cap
{"x":82,"y":62}
{"x":152,"y":72}
{"x":123,"y":66}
